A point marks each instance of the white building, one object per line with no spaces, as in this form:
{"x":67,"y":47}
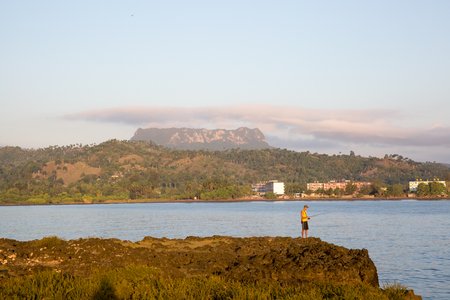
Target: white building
{"x":272,"y":186}
{"x":275,"y":187}
{"x":414,"y":184}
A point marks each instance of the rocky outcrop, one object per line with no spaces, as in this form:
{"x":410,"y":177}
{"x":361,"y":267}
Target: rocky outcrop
{"x":281,"y":259}
{"x":203,"y":139}
{"x":280,"y":262}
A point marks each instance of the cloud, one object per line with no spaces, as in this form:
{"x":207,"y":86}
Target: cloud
{"x":290,"y":123}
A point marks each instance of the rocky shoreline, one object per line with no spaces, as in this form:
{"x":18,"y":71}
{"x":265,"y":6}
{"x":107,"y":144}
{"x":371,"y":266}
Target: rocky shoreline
{"x":283,"y":260}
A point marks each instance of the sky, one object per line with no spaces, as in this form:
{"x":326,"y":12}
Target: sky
{"x":372,"y":77}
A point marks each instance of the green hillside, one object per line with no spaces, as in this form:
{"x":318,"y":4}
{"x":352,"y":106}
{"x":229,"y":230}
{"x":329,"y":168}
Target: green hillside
{"x":126,"y":170}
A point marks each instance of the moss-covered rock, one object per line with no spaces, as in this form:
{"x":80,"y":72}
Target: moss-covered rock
{"x":257,"y":260}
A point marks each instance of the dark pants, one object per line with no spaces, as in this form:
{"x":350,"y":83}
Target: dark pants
{"x":305,"y":226}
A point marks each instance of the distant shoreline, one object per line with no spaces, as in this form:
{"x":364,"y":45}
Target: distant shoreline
{"x":313,"y":199}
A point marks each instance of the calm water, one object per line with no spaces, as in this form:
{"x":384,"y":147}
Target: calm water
{"x":409,"y":241}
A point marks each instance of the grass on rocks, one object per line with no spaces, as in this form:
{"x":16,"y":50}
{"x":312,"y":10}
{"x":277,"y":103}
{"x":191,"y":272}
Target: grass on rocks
{"x":141,"y":282}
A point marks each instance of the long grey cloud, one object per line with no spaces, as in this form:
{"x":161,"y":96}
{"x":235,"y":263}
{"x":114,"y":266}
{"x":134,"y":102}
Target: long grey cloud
{"x":369,"y":127}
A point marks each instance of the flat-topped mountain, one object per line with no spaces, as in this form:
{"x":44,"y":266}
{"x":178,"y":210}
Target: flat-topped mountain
{"x":203,"y":139}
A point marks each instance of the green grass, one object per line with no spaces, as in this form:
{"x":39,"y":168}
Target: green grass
{"x":48,"y":242}
{"x":138,"y":282}
{"x":395,"y":291}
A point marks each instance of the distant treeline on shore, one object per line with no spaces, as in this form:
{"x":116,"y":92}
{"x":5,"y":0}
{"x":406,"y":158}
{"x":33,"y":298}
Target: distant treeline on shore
{"x":139,"y":171}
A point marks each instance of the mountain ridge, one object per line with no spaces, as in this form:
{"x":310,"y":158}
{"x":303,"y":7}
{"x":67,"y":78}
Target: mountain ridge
{"x":203,"y":139}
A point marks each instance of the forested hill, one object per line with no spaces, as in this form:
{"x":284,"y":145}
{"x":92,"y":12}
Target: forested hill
{"x":127,"y":169}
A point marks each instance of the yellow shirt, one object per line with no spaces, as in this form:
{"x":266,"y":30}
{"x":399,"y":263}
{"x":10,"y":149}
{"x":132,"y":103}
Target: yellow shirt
{"x":304,"y":215}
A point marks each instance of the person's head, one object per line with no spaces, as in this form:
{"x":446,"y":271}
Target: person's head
{"x":306,"y":206}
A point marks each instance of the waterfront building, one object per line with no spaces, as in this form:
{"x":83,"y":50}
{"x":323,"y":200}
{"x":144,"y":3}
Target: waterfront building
{"x":333,"y":184}
{"x":259,"y":188}
{"x":414,"y":184}
{"x":314,"y":186}
{"x":272,"y":186}
{"x":275,"y":187}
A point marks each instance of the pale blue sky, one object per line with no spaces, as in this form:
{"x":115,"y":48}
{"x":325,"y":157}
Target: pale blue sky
{"x":323,"y":76}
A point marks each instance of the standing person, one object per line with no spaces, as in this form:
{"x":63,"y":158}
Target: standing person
{"x":304,"y":220}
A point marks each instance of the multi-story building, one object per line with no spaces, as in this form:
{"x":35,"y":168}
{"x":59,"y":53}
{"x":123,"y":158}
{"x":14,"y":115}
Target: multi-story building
{"x":335,"y":185}
{"x":314,"y":186}
{"x":259,"y":188}
{"x":272,"y":186}
{"x":414,"y":184}
{"x":275,"y":187}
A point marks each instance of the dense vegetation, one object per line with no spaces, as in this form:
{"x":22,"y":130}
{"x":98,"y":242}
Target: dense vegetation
{"x":139,"y":170}
{"x":136,"y":282}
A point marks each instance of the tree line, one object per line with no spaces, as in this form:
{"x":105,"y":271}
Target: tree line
{"x":142,"y":170}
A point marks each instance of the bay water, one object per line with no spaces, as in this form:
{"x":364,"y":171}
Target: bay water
{"x":408,"y":240}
